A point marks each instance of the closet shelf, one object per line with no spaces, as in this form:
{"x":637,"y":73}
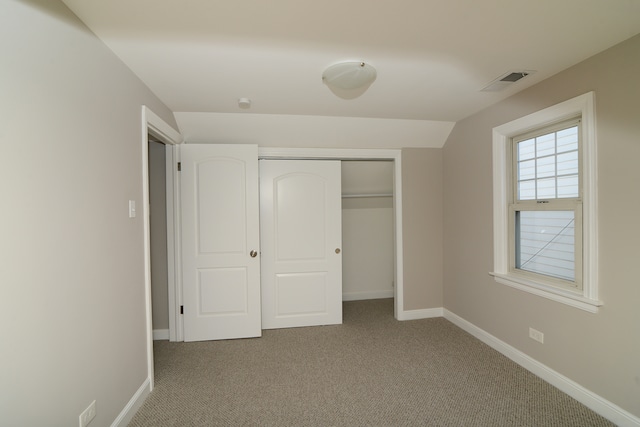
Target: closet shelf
{"x":354,"y":196}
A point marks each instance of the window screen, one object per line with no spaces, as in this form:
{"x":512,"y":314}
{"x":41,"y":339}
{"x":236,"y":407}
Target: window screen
{"x":545,"y":243}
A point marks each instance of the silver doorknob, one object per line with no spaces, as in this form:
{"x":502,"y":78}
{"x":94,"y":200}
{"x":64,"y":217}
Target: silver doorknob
{"x":253,"y":254}
{"x":337,"y":250}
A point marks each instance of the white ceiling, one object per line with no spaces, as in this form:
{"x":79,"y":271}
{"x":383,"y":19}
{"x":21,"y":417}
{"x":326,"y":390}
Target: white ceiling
{"x":433,"y":57}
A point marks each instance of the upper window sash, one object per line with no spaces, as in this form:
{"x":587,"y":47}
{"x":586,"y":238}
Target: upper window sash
{"x":549,"y":162}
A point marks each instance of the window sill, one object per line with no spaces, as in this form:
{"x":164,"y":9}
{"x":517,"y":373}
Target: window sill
{"x":554,"y":294}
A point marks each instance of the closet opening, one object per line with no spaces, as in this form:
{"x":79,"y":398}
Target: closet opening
{"x":373,"y":183}
{"x":368,"y":263}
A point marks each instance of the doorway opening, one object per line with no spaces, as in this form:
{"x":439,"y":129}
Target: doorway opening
{"x":155,"y":127}
{"x":158,"y":238}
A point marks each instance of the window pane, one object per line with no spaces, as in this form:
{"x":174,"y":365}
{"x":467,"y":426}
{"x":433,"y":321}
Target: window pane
{"x":568,"y":163}
{"x":527,"y":170}
{"x":527,"y":190}
{"x":546,"y":145}
{"x":546,"y":167}
{"x":568,"y":139}
{"x":546,"y":188}
{"x":545,"y":243}
{"x":526,"y":149}
{"x":568,"y":186}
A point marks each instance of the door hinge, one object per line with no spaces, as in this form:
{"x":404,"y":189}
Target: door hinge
{"x":182,"y":309}
{"x":179,"y":166}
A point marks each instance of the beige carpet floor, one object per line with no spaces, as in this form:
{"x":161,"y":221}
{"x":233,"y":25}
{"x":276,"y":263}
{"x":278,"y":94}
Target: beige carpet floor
{"x":370,"y":371}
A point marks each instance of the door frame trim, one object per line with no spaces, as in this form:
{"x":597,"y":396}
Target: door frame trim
{"x":153,"y":125}
{"x":360,"y":154}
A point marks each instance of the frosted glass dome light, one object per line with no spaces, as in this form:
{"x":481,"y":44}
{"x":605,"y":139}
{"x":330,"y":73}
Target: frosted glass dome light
{"x":349,"y":75}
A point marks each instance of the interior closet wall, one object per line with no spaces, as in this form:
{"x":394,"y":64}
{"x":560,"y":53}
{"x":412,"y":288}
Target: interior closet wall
{"x":367,"y":230}
{"x":158,"y":233}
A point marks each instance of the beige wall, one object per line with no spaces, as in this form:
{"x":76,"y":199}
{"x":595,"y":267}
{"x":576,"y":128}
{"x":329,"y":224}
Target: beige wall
{"x":422,"y":227}
{"x":72,"y":276}
{"x":598,"y":351}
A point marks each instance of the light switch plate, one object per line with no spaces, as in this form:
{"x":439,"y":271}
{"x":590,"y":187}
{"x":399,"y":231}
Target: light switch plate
{"x":87,"y":415}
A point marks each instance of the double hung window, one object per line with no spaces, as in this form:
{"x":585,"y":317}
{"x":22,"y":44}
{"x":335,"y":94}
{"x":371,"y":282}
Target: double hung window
{"x":546,"y":209}
{"x":545,"y":228}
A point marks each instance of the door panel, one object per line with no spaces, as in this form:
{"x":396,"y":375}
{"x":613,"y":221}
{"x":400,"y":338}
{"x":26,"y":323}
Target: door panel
{"x":222,"y":291}
{"x":300,"y":293}
{"x":221,"y":215}
{"x":220,"y":228}
{"x":300,"y":207}
{"x":299,"y":231}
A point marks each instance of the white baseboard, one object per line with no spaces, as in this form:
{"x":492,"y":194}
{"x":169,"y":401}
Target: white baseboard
{"x":357,"y":296}
{"x":134,"y":404}
{"x":596,"y":403}
{"x":160,"y":334}
{"x":424,"y":313}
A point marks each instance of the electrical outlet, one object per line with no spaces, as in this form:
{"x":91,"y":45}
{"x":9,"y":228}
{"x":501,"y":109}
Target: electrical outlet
{"x":536,"y":335}
{"x":88,"y":414}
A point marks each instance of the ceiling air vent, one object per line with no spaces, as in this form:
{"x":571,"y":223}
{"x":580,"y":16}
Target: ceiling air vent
{"x":506,"y":80}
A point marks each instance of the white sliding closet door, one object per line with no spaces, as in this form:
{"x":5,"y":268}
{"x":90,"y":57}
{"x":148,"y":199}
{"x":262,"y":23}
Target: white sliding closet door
{"x":301,"y":237}
{"x":220,"y":241}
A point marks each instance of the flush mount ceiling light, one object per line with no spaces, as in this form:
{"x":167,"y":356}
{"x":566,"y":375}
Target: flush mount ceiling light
{"x":349,"y":75}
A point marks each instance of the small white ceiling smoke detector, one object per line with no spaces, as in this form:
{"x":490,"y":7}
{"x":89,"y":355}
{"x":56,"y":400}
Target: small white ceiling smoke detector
{"x":244,"y":103}
{"x":506,"y":80}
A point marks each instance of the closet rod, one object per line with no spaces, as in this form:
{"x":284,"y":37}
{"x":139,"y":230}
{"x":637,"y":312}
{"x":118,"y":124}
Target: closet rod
{"x":353,"y":196}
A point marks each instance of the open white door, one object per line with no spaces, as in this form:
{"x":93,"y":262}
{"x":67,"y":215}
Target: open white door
{"x":220,"y":241}
{"x":301,"y":235}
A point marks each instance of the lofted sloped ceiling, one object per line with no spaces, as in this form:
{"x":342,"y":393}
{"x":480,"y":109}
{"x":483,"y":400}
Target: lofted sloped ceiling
{"x":433,"y":57}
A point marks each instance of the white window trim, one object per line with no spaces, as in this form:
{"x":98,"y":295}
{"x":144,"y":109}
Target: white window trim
{"x":583,"y":105}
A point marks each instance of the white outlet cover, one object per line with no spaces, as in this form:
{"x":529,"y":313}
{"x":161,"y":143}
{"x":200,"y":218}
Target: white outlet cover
{"x":536,"y":335}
